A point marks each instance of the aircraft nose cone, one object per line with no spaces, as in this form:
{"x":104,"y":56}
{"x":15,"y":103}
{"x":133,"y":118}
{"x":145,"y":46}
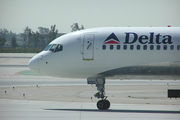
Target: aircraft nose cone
{"x":34,"y":64}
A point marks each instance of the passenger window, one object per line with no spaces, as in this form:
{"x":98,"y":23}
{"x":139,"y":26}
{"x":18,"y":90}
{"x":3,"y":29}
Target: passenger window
{"x":165,"y":47}
{"x":47,"y":48}
{"x":145,"y":47}
{"x":104,"y":47}
{"x":53,"y":47}
{"x":125,"y":47}
{"x":111,"y":47}
{"x":158,"y":47}
{"x":118,"y":47}
{"x":131,"y":47}
{"x":178,"y":47}
{"x":151,"y":47}
{"x":59,"y":48}
{"x":172,"y":47}
{"x":138,"y":47}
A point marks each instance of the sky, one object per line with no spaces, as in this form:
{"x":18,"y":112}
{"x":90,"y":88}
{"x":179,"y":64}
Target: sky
{"x":16,"y":15}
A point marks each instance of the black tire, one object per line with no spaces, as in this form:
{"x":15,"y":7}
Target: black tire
{"x":103,"y":104}
{"x":107,"y":104}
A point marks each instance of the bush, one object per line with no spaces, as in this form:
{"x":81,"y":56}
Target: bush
{"x":20,"y":50}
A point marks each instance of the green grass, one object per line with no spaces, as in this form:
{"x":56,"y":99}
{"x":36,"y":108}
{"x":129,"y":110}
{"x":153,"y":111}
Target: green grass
{"x":29,"y":72}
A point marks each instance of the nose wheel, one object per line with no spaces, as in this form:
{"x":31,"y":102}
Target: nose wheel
{"x":102,"y":104}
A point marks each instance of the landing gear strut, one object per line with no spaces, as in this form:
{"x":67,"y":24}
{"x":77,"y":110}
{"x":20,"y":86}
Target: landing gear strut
{"x":102,"y":104}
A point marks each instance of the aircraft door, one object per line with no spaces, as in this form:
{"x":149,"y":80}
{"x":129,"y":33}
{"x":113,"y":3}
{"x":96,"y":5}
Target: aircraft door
{"x":88,"y":47}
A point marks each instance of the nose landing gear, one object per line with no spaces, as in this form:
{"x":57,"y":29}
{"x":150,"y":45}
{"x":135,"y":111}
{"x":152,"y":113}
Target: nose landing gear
{"x":102,"y":104}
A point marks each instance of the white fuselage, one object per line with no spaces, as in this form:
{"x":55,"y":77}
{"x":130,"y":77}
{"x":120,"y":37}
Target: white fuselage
{"x":113,"y":52}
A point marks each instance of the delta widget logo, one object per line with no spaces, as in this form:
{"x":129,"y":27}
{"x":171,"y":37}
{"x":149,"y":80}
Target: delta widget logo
{"x":112,"y":39}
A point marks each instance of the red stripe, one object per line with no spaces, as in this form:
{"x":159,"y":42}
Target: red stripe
{"x":111,"y":42}
{"x":97,"y":81}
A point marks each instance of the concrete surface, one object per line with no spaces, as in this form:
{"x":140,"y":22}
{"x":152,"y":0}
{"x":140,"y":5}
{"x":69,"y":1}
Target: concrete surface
{"x":59,"y":98}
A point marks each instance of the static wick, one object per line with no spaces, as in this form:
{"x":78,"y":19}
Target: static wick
{"x":6,"y":92}
{"x":24,"y":95}
{"x":91,"y":98}
{"x":13,"y":88}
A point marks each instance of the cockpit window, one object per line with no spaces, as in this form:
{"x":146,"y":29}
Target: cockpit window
{"x":53,"y":47}
{"x":58,"y":48}
{"x":47,"y":48}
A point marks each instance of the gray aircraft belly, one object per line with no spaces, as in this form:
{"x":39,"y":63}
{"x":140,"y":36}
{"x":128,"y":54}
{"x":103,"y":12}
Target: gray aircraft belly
{"x":165,"y":70}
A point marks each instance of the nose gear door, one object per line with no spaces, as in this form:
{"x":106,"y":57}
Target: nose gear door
{"x":88,"y":47}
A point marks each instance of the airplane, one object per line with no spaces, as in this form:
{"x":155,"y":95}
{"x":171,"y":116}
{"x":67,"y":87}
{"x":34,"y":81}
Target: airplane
{"x":97,"y":54}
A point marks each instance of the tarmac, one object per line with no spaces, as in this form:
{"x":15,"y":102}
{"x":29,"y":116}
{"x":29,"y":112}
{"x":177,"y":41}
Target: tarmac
{"x":27,"y":95}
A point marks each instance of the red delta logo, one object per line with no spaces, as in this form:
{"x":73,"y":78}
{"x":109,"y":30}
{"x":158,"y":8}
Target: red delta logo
{"x":112,"y":39}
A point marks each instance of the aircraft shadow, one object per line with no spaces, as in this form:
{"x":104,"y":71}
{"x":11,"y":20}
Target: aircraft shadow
{"x":120,"y":111}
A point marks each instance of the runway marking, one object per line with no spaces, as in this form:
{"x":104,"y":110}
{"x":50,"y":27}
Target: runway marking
{"x":121,"y":111}
{"x":5,"y":60}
